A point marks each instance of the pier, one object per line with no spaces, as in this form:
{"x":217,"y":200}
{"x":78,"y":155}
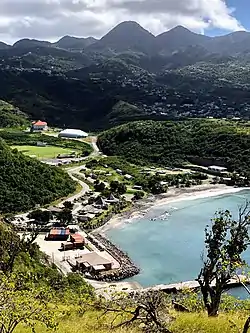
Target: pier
{"x":194,"y":285}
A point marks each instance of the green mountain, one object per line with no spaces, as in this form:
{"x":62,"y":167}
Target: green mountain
{"x":174,"y":143}
{"x":128,"y":35}
{"x":74,"y":43}
{"x":11,"y":116}
{"x":4,"y":46}
{"x":26,"y":182}
{"x":64,"y":101}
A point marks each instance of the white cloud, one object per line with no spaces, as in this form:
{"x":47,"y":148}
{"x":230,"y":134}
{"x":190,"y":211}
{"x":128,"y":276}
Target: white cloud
{"x":51,"y":19}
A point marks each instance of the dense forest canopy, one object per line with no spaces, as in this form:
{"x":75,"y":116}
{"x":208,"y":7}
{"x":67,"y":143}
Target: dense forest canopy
{"x":174,"y":143}
{"x":25,"y":182}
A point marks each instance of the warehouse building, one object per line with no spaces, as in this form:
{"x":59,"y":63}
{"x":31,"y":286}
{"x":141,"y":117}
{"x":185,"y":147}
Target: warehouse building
{"x":94,"y":263}
{"x":75,"y":241}
{"x":58,"y":234}
{"x":72,"y":134}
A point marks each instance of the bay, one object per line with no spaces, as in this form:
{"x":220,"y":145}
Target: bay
{"x":168,"y":241}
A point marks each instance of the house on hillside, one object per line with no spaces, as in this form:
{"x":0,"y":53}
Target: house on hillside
{"x":39,"y":126}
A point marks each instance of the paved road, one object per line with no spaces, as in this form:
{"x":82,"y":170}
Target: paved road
{"x":76,"y":170}
{"x":85,"y":187}
{"x":96,"y":151}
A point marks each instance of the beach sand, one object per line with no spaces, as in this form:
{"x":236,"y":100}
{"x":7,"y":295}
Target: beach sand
{"x":141,"y":207}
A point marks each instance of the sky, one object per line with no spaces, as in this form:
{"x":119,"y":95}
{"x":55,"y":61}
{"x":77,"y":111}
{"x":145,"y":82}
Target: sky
{"x":52,"y":19}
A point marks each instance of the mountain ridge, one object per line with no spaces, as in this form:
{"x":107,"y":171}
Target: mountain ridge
{"x":129,"y":35}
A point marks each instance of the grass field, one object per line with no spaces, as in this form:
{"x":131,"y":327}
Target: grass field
{"x":184,"y":323}
{"x":43,"y":152}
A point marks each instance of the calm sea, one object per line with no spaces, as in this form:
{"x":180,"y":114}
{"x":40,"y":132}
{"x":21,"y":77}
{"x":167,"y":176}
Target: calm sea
{"x":167,"y":242}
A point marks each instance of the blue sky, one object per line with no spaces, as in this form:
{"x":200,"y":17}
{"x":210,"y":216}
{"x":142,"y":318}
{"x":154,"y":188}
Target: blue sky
{"x":241,"y":13}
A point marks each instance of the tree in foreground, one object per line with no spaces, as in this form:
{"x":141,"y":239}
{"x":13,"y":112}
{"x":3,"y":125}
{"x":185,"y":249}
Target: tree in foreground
{"x":225,"y":243}
{"x":149,"y":310}
{"x":25,"y":305}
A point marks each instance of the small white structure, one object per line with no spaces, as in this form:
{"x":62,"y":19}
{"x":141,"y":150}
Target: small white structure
{"x":137,"y":187}
{"x":216,"y":168}
{"x":128,"y":177}
{"x":72,"y":133}
{"x":38,"y":126}
{"x":41,"y":144}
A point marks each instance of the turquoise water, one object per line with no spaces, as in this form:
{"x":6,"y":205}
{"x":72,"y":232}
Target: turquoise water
{"x":169,"y":250}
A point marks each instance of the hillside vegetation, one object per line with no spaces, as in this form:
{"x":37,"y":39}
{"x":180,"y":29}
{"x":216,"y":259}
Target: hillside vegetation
{"x":174,"y":143}
{"x":37,"y":297}
{"x":11,"y":116}
{"x":25,"y":182}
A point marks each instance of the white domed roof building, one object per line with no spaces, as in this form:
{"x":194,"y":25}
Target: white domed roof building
{"x":72,"y":133}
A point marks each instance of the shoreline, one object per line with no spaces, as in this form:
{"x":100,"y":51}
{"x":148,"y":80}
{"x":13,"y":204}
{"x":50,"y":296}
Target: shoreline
{"x":143,"y":206}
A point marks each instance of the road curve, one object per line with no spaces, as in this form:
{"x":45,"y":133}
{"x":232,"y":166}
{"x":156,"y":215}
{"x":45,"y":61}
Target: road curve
{"x":85,"y":187}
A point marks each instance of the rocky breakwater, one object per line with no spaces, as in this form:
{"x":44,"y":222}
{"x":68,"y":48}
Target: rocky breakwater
{"x":127,"y":267}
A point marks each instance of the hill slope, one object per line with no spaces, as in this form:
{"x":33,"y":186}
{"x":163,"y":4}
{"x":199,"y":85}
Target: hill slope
{"x":127,"y":36}
{"x":179,"y":38}
{"x":69,"y":42}
{"x":25,"y":182}
{"x":11,"y":116}
{"x":173,"y":143}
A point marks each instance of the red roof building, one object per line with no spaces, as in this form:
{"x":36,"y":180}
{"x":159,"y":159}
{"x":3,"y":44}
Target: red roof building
{"x":77,"y":238}
{"x":39,"y":125}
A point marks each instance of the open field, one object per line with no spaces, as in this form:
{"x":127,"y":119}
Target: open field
{"x":43,"y":152}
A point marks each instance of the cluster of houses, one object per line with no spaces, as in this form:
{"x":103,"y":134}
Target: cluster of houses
{"x":94,"y":206}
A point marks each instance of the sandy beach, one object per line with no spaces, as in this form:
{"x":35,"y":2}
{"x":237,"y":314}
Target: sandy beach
{"x":141,"y":207}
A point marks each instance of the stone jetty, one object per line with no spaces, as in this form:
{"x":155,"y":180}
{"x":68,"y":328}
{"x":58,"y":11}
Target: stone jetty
{"x":127,"y":267}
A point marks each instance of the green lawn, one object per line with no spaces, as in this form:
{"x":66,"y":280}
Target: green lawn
{"x":43,"y":152}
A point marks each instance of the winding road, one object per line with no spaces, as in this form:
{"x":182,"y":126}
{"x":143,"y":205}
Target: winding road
{"x":77,"y":170}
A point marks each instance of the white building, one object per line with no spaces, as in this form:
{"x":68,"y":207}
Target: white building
{"x":72,"y":133}
{"x":216,"y":168}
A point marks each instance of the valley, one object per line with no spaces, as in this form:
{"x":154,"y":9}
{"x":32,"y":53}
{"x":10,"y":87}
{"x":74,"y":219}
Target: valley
{"x":122,"y":160}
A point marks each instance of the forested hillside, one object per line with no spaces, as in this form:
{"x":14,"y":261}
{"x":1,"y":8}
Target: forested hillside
{"x":11,"y":116}
{"x":173,"y":143}
{"x":25,"y":182}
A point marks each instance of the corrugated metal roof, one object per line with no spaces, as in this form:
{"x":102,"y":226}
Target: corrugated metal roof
{"x":93,"y":259}
{"x":77,"y":238}
{"x":59,"y":231}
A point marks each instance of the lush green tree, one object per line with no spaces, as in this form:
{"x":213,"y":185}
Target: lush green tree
{"x":10,"y":248}
{"x":28,"y":305}
{"x":118,"y":187}
{"x":68,"y":205}
{"x":138,"y":195}
{"x":99,"y":186}
{"x":40,"y":216}
{"x":65,"y":217}
{"x":225,"y":242}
